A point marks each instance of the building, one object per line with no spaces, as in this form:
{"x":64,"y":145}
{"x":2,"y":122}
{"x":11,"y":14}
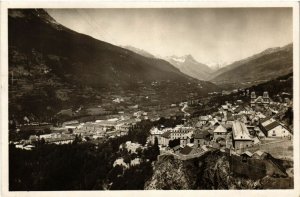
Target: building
{"x":138,"y":113}
{"x":180,"y":131}
{"x":90,"y":127}
{"x":220,"y":132}
{"x":189,"y":151}
{"x":224,"y":108}
{"x":203,"y":120}
{"x":63,"y":139}
{"x":124,"y":126}
{"x":260,"y":100}
{"x":155,"y":133}
{"x":275,"y":129}
{"x":241,"y":137}
{"x":33,"y":138}
{"x":49,"y":136}
{"x":165,"y":138}
{"x":185,"y":140}
{"x":259,"y":155}
{"x":69,"y":123}
{"x":201,"y":138}
{"x":165,"y":135}
{"x":266,"y":121}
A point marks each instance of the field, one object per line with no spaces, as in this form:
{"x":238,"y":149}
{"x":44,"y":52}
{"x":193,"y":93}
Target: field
{"x":279,"y":148}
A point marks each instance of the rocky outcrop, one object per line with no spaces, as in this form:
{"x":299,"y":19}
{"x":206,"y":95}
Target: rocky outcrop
{"x":215,"y":171}
{"x":171,"y":173}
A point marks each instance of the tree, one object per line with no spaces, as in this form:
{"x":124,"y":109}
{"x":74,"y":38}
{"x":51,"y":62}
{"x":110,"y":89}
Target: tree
{"x":70,"y":130}
{"x":173,"y":143}
{"x":156,"y":148}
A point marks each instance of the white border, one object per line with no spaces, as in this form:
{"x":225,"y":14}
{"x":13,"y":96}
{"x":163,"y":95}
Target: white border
{"x":145,"y":4}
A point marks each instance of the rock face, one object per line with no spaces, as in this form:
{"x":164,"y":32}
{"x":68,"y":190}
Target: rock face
{"x":214,"y":171}
{"x":172,"y":174}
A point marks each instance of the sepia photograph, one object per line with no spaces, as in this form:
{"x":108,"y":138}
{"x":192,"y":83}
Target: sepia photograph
{"x":151,"y":98}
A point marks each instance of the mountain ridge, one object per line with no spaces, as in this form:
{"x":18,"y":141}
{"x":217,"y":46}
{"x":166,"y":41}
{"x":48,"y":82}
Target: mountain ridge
{"x":188,"y":65}
{"x":267,"y":65}
{"x":52,"y":68}
{"x":103,"y":58}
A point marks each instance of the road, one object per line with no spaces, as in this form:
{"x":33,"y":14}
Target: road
{"x":183,"y":109}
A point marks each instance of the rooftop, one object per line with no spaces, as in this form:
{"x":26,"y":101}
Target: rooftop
{"x":186,"y":150}
{"x":220,"y":129}
{"x":272,"y":125}
{"x":166,"y":134}
{"x":201,"y":134}
{"x":156,"y":131}
{"x":240,"y":131}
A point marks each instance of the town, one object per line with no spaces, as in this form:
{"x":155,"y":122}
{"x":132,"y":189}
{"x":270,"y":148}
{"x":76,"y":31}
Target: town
{"x":239,"y":128}
{"x":165,"y":98}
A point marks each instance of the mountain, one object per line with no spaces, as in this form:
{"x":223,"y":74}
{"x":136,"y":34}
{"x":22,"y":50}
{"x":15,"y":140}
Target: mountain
{"x":267,"y":65}
{"x":87,"y":60}
{"x":188,"y":65}
{"x":139,"y":51}
{"x":52,"y":67}
{"x":217,"y":66}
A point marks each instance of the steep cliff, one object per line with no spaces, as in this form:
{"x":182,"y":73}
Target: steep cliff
{"x":218,"y":170}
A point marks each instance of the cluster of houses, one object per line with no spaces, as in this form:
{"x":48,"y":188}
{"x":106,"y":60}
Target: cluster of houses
{"x":52,"y":138}
{"x":104,"y":128}
{"x":234,"y":127}
{"x":131,"y":147}
{"x":99,"y":129}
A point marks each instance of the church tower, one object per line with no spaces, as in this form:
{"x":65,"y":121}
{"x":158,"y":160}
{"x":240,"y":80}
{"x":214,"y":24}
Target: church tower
{"x":253,"y":97}
{"x":266,"y":98}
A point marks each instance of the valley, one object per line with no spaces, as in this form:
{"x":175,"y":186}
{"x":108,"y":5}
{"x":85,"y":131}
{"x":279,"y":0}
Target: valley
{"x":85,"y":114}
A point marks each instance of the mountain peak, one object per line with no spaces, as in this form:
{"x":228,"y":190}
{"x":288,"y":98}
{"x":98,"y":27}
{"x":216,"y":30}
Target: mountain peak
{"x":30,"y":13}
{"x":189,"y":56}
{"x":188,"y":65}
{"x":35,"y":14}
{"x":89,"y":61}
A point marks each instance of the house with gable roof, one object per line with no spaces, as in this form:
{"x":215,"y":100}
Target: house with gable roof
{"x":241,"y":136}
{"x":275,"y":129}
{"x":201,"y":138}
{"x":165,"y":138}
{"x":220,"y":132}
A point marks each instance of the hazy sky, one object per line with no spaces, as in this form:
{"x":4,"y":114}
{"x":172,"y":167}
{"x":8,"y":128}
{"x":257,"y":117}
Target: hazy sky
{"x":211,"y":35}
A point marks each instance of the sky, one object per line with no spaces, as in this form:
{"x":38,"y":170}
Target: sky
{"x":211,"y":35}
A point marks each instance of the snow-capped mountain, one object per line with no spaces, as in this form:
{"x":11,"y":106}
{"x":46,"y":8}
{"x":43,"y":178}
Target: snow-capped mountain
{"x":188,"y":65}
{"x":217,"y":65}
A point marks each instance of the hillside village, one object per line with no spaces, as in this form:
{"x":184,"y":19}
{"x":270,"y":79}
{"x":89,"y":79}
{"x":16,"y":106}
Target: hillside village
{"x":119,"y":118}
{"x":238,"y":128}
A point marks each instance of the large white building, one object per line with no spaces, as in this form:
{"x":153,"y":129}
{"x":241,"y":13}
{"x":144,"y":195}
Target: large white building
{"x":275,"y":129}
{"x":241,"y":136}
{"x":179,"y":132}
